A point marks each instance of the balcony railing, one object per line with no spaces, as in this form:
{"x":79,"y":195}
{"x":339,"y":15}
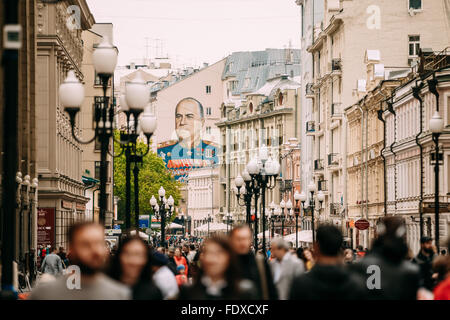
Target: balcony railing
{"x":335,"y":209}
{"x":318,"y":164}
{"x":322,"y":185}
{"x":336,"y":65}
{"x":310,"y":127}
{"x":333,"y":159}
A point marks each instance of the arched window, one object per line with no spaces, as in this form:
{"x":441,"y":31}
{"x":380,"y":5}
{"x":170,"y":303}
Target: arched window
{"x":250,"y":107}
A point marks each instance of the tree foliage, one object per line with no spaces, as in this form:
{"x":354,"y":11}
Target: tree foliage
{"x":152,"y":175}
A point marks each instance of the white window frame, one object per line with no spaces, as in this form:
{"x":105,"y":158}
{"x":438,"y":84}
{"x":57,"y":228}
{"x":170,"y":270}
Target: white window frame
{"x":415,"y":42}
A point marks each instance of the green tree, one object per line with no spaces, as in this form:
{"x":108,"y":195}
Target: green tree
{"x":152,"y":175}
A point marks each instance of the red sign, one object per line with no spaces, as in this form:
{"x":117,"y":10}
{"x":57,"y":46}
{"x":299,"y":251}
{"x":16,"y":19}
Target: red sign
{"x":362,"y":224}
{"x":46,"y":227}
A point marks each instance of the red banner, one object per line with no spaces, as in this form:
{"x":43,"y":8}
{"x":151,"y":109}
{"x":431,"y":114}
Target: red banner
{"x":46,"y":227}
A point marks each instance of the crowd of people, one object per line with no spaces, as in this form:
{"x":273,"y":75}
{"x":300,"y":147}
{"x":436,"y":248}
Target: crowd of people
{"x":224,"y":267}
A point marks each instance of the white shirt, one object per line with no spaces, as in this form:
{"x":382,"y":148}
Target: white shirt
{"x":166,"y":282}
{"x":277,"y":266}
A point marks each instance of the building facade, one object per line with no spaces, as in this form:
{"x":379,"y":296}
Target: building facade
{"x":202,"y":197}
{"x":409,"y":154}
{"x":59,"y":157}
{"x":338,"y":35}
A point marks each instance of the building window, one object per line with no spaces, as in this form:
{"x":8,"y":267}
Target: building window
{"x":414,"y":46}
{"x":97,"y":81}
{"x":208,"y":89}
{"x":208,"y":130}
{"x":97,"y":169}
{"x":415,"y":4}
{"x":208,"y":111}
{"x":233,"y":85}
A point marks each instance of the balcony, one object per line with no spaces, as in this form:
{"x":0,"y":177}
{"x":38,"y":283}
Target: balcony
{"x":336,"y":110}
{"x":322,"y":185}
{"x":310,"y":127}
{"x":333,"y":159}
{"x":336,"y":67}
{"x":335,"y":209}
{"x":318,"y":164}
{"x":309,"y":91}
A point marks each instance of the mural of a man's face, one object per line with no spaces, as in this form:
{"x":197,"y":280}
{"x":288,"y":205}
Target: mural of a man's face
{"x":188,"y":121}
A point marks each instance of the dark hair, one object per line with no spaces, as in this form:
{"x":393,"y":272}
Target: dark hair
{"x":232,"y":273}
{"x":329,"y":240}
{"x":115,"y":270}
{"x":391,"y":240}
{"x":192,"y":247}
{"x":78,"y":227}
{"x":240,"y":227}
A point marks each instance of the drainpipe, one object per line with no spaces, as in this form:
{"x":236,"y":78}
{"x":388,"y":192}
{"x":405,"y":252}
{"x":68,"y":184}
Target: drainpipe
{"x":380,"y":117}
{"x":416,"y":93}
{"x":367,"y":162}
{"x":391,"y":147}
{"x":362,"y":164}
{"x":296,"y":113}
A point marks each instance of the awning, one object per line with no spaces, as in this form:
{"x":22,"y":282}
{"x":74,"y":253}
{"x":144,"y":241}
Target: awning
{"x":267,"y":234}
{"x":303,"y":236}
{"x":214,"y":227}
{"x":174,"y":225}
{"x":89,"y":181}
{"x":141,"y":234}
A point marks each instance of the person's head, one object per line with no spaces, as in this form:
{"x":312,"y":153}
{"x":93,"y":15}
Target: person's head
{"x":53,"y":250}
{"x":189,"y":120}
{"x":61,"y":249}
{"x":218,"y":260}
{"x":192,"y":247}
{"x":158,"y":260}
{"x":241,"y":239}
{"x":186,"y":248}
{"x":87,"y":247}
{"x":307,"y":254}
{"x":426,"y":245}
{"x":360,"y":248}
{"x":348,"y":255}
{"x":328,"y":241}
{"x":178,"y":252}
{"x":441,"y":266}
{"x":171,"y":252}
{"x":279,"y":248}
{"x":132,"y":261}
{"x":181,"y":269}
{"x":391,"y":240}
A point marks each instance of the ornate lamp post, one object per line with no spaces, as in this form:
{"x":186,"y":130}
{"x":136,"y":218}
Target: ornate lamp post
{"x":228,"y":218}
{"x":273,"y":217}
{"x":71,"y":94}
{"x":302,"y":198}
{"x":321,"y":197}
{"x":436,"y":127}
{"x":263,"y":171}
{"x":165,"y":206}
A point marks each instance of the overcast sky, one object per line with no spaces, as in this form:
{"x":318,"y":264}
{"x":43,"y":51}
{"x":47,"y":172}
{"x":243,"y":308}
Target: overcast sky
{"x":195,"y":31}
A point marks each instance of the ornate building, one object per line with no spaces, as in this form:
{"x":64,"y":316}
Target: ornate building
{"x":59,"y":156}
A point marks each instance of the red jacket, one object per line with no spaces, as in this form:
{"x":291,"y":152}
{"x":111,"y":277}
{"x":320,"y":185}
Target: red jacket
{"x":442,"y":290}
{"x":181,"y":260}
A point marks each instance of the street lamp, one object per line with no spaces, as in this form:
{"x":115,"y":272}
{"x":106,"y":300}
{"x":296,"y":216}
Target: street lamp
{"x":298,"y":197}
{"x":71,"y":94}
{"x":228,"y":218}
{"x":263,"y":171}
{"x":436,"y":128}
{"x":273,"y":217}
{"x":244,"y":191}
{"x":163,"y":207}
{"x":321,"y":197}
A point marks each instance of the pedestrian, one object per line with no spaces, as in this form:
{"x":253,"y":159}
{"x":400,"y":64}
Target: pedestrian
{"x":52,"y":264}
{"x":181,"y":277}
{"x":348,"y":256}
{"x":396,"y":278}
{"x":424,"y":260}
{"x":308,"y":259}
{"x":88,"y":252}
{"x":442,"y":289}
{"x":163,"y":277}
{"x":285,"y":267}
{"x":191,"y":254}
{"x":180,"y":259}
{"x":172,"y":265}
{"x":131,"y":265}
{"x":253,"y":267}
{"x":328,"y":279}
{"x":62,"y":254}
{"x":218,"y":278}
